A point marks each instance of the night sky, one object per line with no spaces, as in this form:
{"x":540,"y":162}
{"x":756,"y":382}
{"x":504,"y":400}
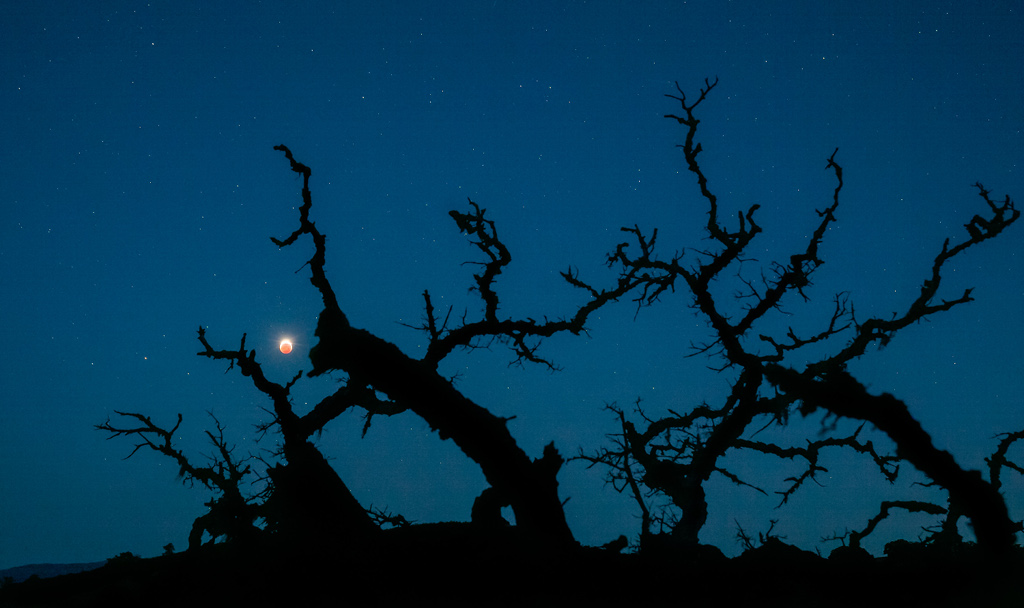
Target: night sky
{"x":140,"y":187}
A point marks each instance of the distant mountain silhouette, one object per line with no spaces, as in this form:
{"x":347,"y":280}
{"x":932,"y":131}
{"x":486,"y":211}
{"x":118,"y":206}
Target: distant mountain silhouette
{"x":22,"y":573}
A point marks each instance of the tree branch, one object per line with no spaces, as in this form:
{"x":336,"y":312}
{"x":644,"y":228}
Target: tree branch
{"x":843,"y":396}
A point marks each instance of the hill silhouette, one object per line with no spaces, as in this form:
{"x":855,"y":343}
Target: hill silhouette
{"x":458,"y":565}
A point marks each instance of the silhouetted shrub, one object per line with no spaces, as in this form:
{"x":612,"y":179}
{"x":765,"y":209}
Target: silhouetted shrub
{"x":123,"y":558}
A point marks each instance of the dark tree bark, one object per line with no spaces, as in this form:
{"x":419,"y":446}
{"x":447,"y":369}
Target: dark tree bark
{"x":530,"y":486}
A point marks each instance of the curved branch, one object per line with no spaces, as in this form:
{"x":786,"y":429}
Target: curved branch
{"x":319,"y":259}
{"x":279,"y":395}
{"x":843,"y":396}
{"x":881,"y":330}
{"x":914,"y":506}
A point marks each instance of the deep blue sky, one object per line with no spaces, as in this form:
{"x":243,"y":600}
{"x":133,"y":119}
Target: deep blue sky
{"x":140,"y":186}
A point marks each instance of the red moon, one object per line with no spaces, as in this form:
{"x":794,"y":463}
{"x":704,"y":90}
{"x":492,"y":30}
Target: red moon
{"x":286,"y":346}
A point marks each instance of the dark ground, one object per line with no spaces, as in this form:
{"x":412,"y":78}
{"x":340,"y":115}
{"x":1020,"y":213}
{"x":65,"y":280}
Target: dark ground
{"x":445,"y":564}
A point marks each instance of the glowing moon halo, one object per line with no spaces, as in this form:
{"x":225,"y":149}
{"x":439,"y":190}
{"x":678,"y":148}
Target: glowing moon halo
{"x":286,"y":346}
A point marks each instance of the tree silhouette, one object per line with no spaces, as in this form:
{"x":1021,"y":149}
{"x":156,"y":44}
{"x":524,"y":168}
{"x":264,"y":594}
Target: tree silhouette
{"x":231,"y":514}
{"x":306,"y":497}
{"x":675,"y":455}
{"x":374,"y":365}
{"x":672,"y":456}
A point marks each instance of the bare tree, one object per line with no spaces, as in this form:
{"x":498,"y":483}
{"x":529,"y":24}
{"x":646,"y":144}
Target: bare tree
{"x":374,"y":365}
{"x":307,"y":497}
{"x":231,"y":514}
{"x":674,"y":455}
